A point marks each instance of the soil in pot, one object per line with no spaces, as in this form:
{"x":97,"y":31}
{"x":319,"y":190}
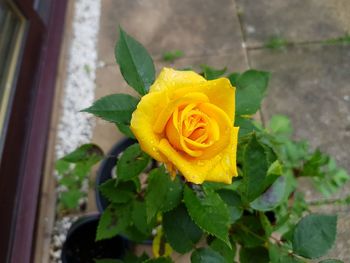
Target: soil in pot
{"x":80,"y":245}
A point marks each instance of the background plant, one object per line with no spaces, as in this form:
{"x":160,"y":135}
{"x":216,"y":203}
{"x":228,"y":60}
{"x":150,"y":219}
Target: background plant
{"x":73,"y":170}
{"x":260,"y":217}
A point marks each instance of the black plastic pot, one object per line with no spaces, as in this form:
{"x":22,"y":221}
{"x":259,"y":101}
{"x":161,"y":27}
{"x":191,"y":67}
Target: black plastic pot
{"x":80,"y":245}
{"x":106,"y":170}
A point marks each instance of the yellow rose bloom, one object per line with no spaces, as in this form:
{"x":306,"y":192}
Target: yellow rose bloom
{"x":187,"y":122}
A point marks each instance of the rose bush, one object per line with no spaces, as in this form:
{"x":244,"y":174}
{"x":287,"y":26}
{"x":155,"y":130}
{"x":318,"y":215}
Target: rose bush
{"x":187,"y":122}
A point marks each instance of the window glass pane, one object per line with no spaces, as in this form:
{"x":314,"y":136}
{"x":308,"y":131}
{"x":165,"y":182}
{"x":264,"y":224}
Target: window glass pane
{"x":11,"y":32}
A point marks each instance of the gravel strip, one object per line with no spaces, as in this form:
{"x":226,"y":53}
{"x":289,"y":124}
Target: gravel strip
{"x":74,"y":127}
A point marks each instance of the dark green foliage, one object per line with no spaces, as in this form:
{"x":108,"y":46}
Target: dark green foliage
{"x":135,"y":64}
{"x":249,"y":231}
{"x":250,"y":90}
{"x":204,"y":205}
{"x":180,"y":231}
{"x":163,"y":193}
{"x":117,"y":193}
{"x":255,"y":166}
{"x":272,"y":197}
{"x":211,"y":73}
{"x":222,"y":248}
{"x":256,"y":255}
{"x":246,"y":126}
{"x":114,"y":220}
{"x":207,"y":255}
{"x":233,"y":202}
{"x":314,"y":235}
{"x":132,"y":162}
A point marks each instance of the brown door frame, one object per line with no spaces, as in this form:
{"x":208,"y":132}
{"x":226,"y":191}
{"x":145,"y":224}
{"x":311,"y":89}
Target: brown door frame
{"x":23,"y":157}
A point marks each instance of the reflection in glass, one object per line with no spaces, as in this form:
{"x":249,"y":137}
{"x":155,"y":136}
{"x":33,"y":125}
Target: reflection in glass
{"x":11,"y":32}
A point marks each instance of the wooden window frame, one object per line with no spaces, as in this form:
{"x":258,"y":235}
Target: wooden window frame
{"x":23,"y":156}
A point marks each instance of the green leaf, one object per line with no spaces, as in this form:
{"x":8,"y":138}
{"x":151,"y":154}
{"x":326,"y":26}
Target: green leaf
{"x":125,"y":129}
{"x":171,"y":56}
{"x":70,"y":199}
{"x":220,"y":247}
{"x":266,"y":224}
{"x":209,"y":212}
{"x":245,"y":125}
{"x":68,"y":181}
{"x":256,"y":255}
{"x":212,"y":73}
{"x":84,"y":153}
{"x":180,"y":231}
{"x":293,"y":153}
{"x":132,"y":162}
{"x":249,"y":231}
{"x":280,"y":125}
{"x":116,"y":108}
{"x":163,"y":193}
{"x":314,"y":235}
{"x":134,"y":234}
{"x":74,"y":169}
{"x":215,"y":186}
{"x":113,"y":221}
{"x":139,"y":218}
{"x":326,"y":175}
{"x":275,"y":168}
{"x":159,"y":260}
{"x":273,"y":173}
{"x":233,"y":202}
{"x":233,"y":77}
{"x":82,"y":169}
{"x":272,"y":197}
{"x":313,"y":166}
{"x":255,"y":167}
{"x":62,"y":166}
{"x":250,"y":90}
{"x":116,"y":194}
{"x":206,"y":255}
{"x":136,"y":65}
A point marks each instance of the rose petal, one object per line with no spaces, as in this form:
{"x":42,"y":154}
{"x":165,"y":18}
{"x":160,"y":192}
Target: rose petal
{"x":142,"y":122}
{"x":169,"y":79}
{"x":165,"y":114}
{"x":220,"y":168}
{"x":219,"y":91}
{"x":226,"y":168}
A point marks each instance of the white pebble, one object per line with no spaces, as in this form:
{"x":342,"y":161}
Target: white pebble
{"x":74,"y":127}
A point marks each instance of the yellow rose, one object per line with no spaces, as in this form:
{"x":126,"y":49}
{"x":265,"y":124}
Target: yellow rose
{"x":187,"y":122}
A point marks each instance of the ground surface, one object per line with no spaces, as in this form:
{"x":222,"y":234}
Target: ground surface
{"x":310,"y":80}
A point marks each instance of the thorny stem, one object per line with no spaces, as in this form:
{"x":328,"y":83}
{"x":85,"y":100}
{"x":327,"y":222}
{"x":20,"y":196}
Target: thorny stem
{"x":279,"y":242}
{"x":246,"y":229}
